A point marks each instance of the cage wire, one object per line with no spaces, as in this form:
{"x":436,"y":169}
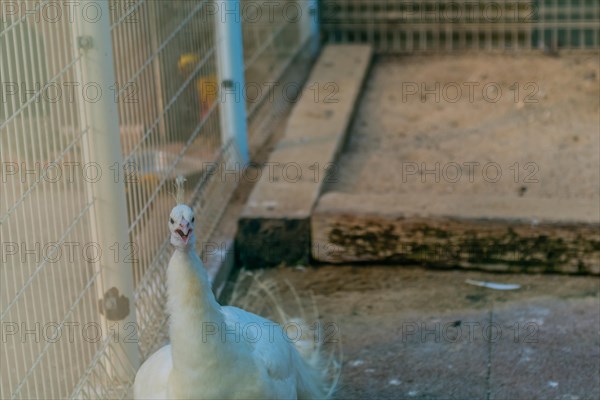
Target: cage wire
{"x":38,"y":297}
{"x":166,"y":75}
{"x":402,"y":26}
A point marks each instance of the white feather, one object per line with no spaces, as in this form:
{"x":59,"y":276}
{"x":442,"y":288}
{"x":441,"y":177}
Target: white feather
{"x":493,"y":285}
{"x":221,"y":352}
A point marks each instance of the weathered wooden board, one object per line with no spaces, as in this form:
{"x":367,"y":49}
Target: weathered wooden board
{"x":492,"y":233}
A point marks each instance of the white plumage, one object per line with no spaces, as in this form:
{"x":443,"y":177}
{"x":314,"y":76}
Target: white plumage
{"x":221,"y":352}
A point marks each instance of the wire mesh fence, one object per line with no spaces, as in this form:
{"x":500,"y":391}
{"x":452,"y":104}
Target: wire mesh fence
{"x":41,"y":212}
{"x":403,"y":26}
{"x":277,"y":57}
{"x":270,"y":45}
{"x":167,"y":52}
{"x":58,"y":339}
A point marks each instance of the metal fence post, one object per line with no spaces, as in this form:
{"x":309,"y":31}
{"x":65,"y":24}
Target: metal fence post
{"x":102,"y":148}
{"x":230,"y":58}
{"x":310,"y":25}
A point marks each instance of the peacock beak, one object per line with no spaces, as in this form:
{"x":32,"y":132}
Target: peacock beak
{"x":184,"y":230}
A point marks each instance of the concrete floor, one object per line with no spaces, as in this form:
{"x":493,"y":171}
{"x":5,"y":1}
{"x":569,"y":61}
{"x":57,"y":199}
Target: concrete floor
{"x":412,"y":333}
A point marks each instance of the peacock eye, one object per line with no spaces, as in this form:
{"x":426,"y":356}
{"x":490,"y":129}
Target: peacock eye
{"x":171,"y":221}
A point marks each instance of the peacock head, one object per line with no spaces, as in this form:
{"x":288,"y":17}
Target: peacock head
{"x":181,"y":225}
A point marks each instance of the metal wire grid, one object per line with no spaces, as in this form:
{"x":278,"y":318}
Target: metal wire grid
{"x":165,"y":130}
{"x":266,"y":116}
{"x":165,"y":66}
{"x":179,"y":67}
{"x":402,"y":26}
{"x":44,"y":298}
{"x":267,"y":60}
{"x":567,"y":24}
{"x":270,"y":44}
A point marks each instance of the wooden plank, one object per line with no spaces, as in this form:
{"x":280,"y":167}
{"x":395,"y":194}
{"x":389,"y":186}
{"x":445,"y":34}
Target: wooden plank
{"x":486,"y":232}
{"x":274,"y":226}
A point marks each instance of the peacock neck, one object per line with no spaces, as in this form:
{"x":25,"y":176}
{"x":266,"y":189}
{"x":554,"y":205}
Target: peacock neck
{"x":194,"y":310}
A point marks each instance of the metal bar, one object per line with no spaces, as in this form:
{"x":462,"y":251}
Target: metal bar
{"x":109,"y":222}
{"x":310,"y":25}
{"x":230,"y":56}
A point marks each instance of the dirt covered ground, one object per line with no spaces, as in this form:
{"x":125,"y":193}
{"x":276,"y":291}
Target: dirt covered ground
{"x":513,"y":125}
{"x":410,"y":333}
